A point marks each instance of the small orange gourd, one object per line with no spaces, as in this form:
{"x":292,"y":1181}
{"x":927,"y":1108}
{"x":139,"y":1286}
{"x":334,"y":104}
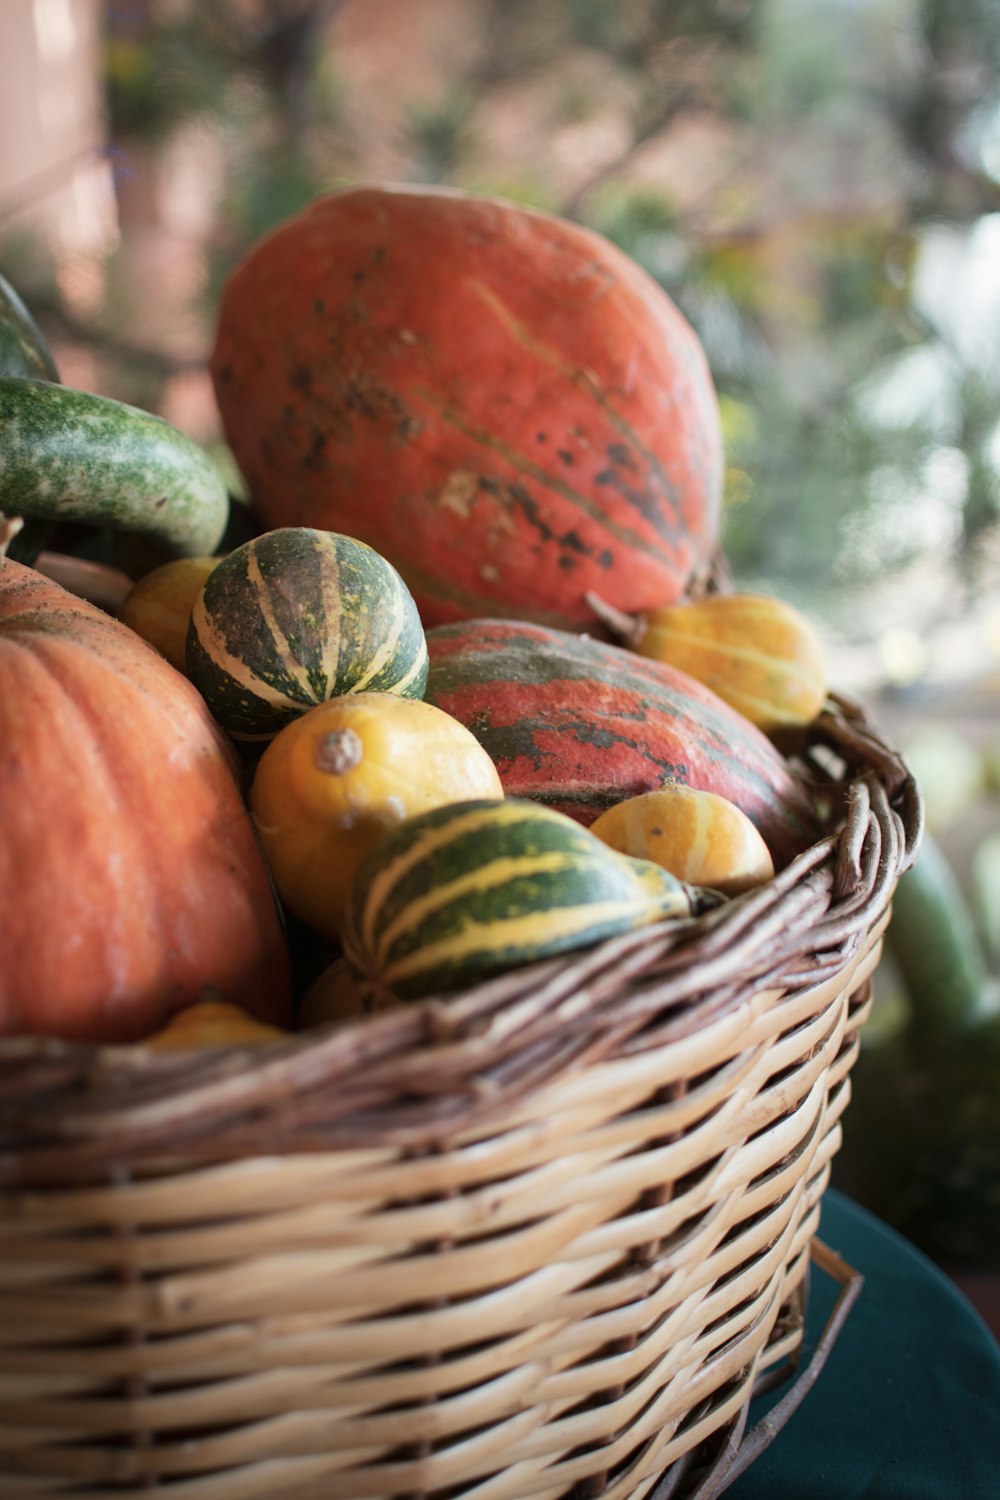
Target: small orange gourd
{"x":335,"y":779}
{"x":158,"y":607}
{"x":338,"y":994}
{"x":213,"y":1023}
{"x":759,"y":654}
{"x":698,"y":836}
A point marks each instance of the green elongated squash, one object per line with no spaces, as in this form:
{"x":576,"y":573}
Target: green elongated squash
{"x":68,"y":455}
{"x":469,"y":890}
{"x":295,"y":617}
{"x":933,"y":939}
{"x":24,"y":352}
{"x":24,"y":349}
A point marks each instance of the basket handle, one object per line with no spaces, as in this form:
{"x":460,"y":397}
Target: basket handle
{"x":743,"y":1447}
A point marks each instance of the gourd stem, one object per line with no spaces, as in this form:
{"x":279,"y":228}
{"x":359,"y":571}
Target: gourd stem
{"x":628,"y":628}
{"x":93,"y":581}
{"x":339,"y":751}
{"x":9,"y":528}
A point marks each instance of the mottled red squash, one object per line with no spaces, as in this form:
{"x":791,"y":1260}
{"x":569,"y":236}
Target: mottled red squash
{"x":581,"y":725}
{"x":501,"y":402}
{"x":130,"y":877}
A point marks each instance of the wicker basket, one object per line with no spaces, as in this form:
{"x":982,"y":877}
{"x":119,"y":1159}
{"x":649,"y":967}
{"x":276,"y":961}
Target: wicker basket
{"x":539,"y":1239}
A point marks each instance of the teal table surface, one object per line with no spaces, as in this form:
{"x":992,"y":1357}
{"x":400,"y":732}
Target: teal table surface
{"x":907,"y":1406}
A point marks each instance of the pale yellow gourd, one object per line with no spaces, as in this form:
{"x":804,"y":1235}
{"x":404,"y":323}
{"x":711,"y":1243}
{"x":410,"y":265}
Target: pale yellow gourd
{"x":211,"y":1023}
{"x":158,"y":607}
{"x":334,"y":780}
{"x":759,"y":654}
{"x":337,"y":994}
{"x":698,"y":836}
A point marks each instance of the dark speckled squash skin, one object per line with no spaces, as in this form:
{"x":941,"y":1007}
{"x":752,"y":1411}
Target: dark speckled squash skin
{"x":500,"y":401}
{"x":581,"y":725}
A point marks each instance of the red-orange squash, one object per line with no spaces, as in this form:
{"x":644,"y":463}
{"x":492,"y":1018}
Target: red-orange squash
{"x":501,"y":402}
{"x":130,"y":878}
{"x":581,"y":725}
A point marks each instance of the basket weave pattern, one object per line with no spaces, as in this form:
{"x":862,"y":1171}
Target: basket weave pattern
{"x":538,"y":1239}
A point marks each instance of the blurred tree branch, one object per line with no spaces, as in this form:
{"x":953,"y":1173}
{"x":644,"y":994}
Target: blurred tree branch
{"x":828,"y":142}
{"x":61,"y":322}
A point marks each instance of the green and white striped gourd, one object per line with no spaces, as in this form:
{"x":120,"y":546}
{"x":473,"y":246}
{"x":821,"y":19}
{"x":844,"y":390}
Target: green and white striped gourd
{"x":295,"y":617}
{"x":469,"y":890}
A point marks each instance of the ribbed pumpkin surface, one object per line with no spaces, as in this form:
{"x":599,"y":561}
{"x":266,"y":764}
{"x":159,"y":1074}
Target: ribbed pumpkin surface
{"x":580,"y":725}
{"x":473,"y":888}
{"x":501,"y":401}
{"x":130,"y":877}
{"x":298,"y":616}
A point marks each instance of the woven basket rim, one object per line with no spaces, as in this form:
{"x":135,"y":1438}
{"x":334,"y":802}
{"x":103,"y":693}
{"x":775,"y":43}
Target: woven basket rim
{"x":597,"y":1178}
{"x":424,"y":1075}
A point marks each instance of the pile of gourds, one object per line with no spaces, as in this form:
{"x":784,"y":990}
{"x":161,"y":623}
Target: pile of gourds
{"x":463,"y":700}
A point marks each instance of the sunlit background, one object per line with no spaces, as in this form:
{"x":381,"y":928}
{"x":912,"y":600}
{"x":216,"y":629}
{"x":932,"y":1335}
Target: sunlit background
{"x":815,"y":182}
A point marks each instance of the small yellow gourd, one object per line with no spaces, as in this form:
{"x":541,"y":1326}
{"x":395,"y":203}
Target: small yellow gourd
{"x":212,"y":1023}
{"x":759,"y":654}
{"x":334,"y":780}
{"x":337,"y":994}
{"x":700,"y":837}
{"x":158,"y":607}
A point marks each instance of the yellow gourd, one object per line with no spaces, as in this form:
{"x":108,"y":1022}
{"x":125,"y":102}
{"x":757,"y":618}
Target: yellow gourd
{"x":333,"y":781}
{"x":158,"y":607}
{"x":757,"y":653}
{"x":336,"y":994}
{"x":211,"y":1023}
{"x":698,"y":836}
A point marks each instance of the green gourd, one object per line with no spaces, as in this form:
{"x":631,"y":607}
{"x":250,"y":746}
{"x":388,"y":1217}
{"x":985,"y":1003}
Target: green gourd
{"x":68,"y":455}
{"x":934,"y":942}
{"x":295,"y":617}
{"x":469,"y":890}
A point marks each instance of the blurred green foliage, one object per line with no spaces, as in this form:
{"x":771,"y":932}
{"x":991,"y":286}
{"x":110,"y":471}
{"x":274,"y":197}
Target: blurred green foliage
{"x":779,"y":166}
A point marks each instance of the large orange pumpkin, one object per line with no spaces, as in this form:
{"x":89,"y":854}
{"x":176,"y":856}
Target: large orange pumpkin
{"x":501,"y":402}
{"x":130,"y":877}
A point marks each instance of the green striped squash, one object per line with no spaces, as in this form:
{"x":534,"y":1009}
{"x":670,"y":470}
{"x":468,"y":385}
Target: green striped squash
{"x":295,"y":617}
{"x":469,"y":890}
